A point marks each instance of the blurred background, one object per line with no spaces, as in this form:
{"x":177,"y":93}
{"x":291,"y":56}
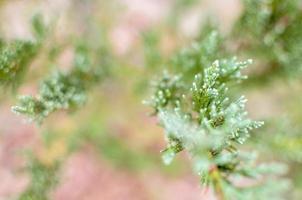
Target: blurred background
{"x":110,"y":148}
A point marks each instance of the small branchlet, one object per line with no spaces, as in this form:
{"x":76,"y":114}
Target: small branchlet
{"x":190,"y":61}
{"x":17,"y":55}
{"x":61,"y":90}
{"x":14,"y":58}
{"x":167,"y":92}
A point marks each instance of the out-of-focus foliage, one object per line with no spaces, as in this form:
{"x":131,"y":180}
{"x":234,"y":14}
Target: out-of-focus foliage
{"x":271,"y":30}
{"x":62,"y":90}
{"x":43,"y":179}
{"x":199,"y":55}
{"x":15,"y":57}
{"x":286,"y":145}
{"x":178,"y":7}
{"x":277,"y":142}
{"x":153,"y":58}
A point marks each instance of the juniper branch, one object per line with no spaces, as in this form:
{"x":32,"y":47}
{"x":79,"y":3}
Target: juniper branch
{"x":200,"y":118}
{"x":61,"y":90}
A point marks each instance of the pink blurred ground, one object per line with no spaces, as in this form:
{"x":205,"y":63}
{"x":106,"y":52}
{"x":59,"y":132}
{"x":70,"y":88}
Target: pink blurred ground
{"x":86,"y":177}
{"x":15,"y":137}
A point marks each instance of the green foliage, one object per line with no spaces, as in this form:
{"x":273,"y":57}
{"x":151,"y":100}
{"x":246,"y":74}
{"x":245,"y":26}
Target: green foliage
{"x":14,"y":59}
{"x":61,"y":90}
{"x":17,"y":55}
{"x":200,"y":119}
{"x":167,"y":89}
{"x":190,"y":61}
{"x":38,"y":27}
{"x":43,"y":179}
{"x":152,"y":54}
{"x":272,"y":31}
